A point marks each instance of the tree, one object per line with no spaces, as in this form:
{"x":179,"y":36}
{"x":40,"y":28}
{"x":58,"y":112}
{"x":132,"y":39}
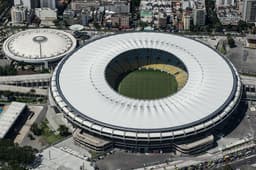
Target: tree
{"x":63,"y":130}
{"x":143,"y":24}
{"x":242,"y":26}
{"x":44,"y":70}
{"x":56,"y":22}
{"x":227,"y":167}
{"x":96,"y":26}
{"x":134,"y":4}
{"x":231,"y":41}
{"x":7,"y":70}
{"x":7,"y":93}
{"x":15,"y":157}
{"x":33,"y":91}
{"x":211,"y":17}
{"x":36,"y":129}
{"x":31,"y":137}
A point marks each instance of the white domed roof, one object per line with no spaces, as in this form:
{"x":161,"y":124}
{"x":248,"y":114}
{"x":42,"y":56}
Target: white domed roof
{"x":39,"y":45}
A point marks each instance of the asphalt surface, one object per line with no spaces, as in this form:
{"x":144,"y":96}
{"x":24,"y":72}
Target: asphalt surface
{"x":243,"y":164}
{"x":247,"y":161}
{"x":125,"y":161}
{"x":243,"y":58}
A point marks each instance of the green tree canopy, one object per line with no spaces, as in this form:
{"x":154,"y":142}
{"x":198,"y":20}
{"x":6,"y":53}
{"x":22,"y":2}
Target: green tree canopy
{"x":63,"y":130}
{"x":17,"y":157}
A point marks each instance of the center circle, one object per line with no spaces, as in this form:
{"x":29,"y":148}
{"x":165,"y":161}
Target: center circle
{"x":40,"y":39}
{"x":146,"y":74}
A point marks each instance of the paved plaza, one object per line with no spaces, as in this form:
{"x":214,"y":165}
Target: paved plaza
{"x":56,"y":159}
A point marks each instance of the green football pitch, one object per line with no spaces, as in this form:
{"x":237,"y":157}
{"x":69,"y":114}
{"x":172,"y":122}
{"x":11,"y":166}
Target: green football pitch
{"x":147,"y":84}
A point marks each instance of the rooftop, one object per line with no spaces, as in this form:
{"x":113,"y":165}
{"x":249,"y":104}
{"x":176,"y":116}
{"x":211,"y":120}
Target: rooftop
{"x":210,"y":89}
{"x":8,"y":117}
{"x":39,"y":45}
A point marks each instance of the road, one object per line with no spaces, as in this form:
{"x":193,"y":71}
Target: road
{"x":248,"y":80}
{"x":249,"y":160}
{"x":246,"y":161}
{"x":25,"y":78}
{"x":24,"y":90}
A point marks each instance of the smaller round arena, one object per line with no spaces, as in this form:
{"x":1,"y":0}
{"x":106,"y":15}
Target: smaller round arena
{"x":39,"y":45}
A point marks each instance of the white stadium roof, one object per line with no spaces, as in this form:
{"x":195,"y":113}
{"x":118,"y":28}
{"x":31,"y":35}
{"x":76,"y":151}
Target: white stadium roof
{"x":80,"y":89}
{"x":39,"y":45}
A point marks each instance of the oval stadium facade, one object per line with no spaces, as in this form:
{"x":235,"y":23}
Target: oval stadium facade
{"x":84,"y":87}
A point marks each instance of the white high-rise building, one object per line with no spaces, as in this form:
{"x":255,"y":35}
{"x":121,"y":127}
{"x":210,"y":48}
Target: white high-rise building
{"x":249,"y":11}
{"x":229,"y":3}
{"x":18,"y":14}
{"x":220,"y":3}
{"x":48,"y":4}
{"x":199,"y":16}
{"x":17,"y":2}
{"x":29,"y":4}
{"x":225,"y":3}
{"x":185,"y":4}
{"x":46,"y":15}
{"x":186,"y":22}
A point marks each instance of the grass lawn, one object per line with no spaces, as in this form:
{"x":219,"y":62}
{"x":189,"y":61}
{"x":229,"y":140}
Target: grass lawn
{"x":48,"y":134}
{"x":52,"y":138}
{"x":148,"y":84}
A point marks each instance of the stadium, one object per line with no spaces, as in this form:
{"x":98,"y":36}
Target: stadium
{"x":37,"y":46}
{"x":146,"y":90}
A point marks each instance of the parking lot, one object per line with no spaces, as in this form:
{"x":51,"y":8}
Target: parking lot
{"x":247,"y":125}
{"x":243,"y":58}
{"x":124,"y":160}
